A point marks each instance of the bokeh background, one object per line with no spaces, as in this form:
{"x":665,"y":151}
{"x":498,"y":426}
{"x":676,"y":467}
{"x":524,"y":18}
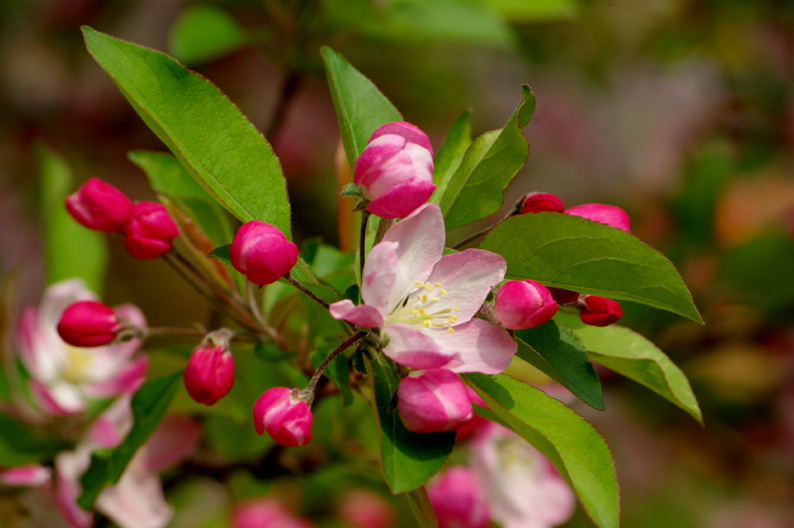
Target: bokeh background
{"x":679,"y":111}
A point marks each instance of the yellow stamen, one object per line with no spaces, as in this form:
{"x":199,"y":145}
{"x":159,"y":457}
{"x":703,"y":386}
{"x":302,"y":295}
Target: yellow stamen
{"x":451,"y":330}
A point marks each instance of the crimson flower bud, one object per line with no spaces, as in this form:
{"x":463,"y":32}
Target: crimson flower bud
{"x":540,"y":202}
{"x":563,"y":296}
{"x":603,"y":214}
{"x":458,"y":501}
{"x":285,"y":415}
{"x":433,"y":400}
{"x":262,"y":253}
{"x":100,"y":206}
{"x":209,"y":374}
{"x":524,"y":304}
{"x":599,"y":311}
{"x":88,"y":324}
{"x":149,"y":231}
{"x":395,"y":170}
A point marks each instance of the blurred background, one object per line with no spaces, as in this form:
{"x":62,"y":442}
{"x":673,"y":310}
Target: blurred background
{"x":679,"y":111}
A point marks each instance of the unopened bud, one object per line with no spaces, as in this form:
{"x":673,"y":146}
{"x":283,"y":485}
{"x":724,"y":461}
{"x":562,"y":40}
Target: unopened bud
{"x":523,"y":304}
{"x":563,"y":296}
{"x":599,"y":311}
{"x":433,"y":400}
{"x":458,"y":501}
{"x":100,"y":206}
{"x":395,"y":170}
{"x":88,"y":324}
{"x":285,"y":415}
{"x":603,"y":214}
{"x":149,"y":231}
{"x":262,"y":253}
{"x":540,"y":202}
{"x":209,"y":374}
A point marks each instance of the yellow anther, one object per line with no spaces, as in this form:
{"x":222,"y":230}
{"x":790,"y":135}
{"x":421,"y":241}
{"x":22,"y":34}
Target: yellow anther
{"x":423,"y":298}
{"x":428,"y":286}
{"x":422,"y":311}
{"x":435,"y":299}
{"x":419,"y":284}
{"x":455,"y":309}
{"x":451,"y":330}
{"x":438,"y":285}
{"x":453,"y":318}
{"x":427,"y":324}
{"x":442,"y":292}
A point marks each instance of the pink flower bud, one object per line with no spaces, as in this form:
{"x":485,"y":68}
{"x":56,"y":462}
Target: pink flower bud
{"x":457,"y":500}
{"x":261,"y":513}
{"x":284,"y":415}
{"x":395,"y":170}
{"x":524,"y":304}
{"x":599,"y":311}
{"x":362,"y":508}
{"x":470,"y":428}
{"x":262,"y":253}
{"x":540,"y":202}
{"x":209,"y":374}
{"x":564,"y":296}
{"x":88,"y":324}
{"x":100,"y":206}
{"x":149,"y":230}
{"x":433,"y":400}
{"x":603,"y":214}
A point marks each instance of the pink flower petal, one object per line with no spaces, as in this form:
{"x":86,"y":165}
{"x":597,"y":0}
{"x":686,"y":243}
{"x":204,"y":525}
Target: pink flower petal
{"x":175,"y":439}
{"x":401,"y":199}
{"x":414,"y":348}
{"x":58,"y":398}
{"x":603,"y":214}
{"x":421,"y":238}
{"x":361,"y":315}
{"x":480,"y":346}
{"x":379,"y":275}
{"x":29,"y":475}
{"x":127,"y":380}
{"x":136,"y":501}
{"x":467,"y":277}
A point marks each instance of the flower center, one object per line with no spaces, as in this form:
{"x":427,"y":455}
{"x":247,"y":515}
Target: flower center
{"x":77,"y":362}
{"x":420,"y":308}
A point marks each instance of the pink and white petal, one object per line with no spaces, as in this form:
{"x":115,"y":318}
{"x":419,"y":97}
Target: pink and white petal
{"x":414,"y":348}
{"x":467,"y":277}
{"x":131,"y":313}
{"x":379,"y":275}
{"x":479,"y":346}
{"x":421,"y":238}
{"x":136,"y":501}
{"x":374,"y":154}
{"x":59,"y":397}
{"x":361,"y":315}
{"x":69,"y":466}
{"x":402,"y":199}
{"x":176,"y":438}
{"x":604,"y":214}
{"x":125,"y":381}
{"x":110,"y":428}
{"x":27,"y":327}
{"x":29,"y":475}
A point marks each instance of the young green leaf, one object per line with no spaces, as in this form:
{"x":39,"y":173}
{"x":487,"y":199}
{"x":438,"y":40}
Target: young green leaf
{"x":574,"y":253}
{"x":408,"y":459}
{"x":19,"y":445}
{"x":490,"y":163}
{"x":630,"y":354}
{"x":72,"y":250}
{"x":203,"y":33}
{"x":451,"y":153}
{"x":360,"y":106}
{"x":215,"y":143}
{"x":575,"y":448}
{"x":559,"y":353}
{"x":148,"y":407}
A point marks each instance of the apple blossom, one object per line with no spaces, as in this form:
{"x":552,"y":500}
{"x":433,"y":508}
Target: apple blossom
{"x":523,"y":489}
{"x":285,"y":415}
{"x":209,"y":375}
{"x":362,"y":508}
{"x":425,"y":302}
{"x":88,"y":324}
{"x":540,"y":202}
{"x":99,"y":205}
{"x":27,"y":475}
{"x":395,"y":170}
{"x":603,"y":214}
{"x":524,"y":304}
{"x":262,"y":253}
{"x":458,"y":501}
{"x":599,"y":311}
{"x":63,"y":377}
{"x":433,"y":400}
{"x":149,"y":230}
{"x":265,"y":512}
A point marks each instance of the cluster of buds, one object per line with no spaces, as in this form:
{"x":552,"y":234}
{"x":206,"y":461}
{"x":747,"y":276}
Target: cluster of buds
{"x":147,"y":228}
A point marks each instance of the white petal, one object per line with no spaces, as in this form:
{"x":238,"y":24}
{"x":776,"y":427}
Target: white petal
{"x":379,"y":276}
{"x":479,"y":346}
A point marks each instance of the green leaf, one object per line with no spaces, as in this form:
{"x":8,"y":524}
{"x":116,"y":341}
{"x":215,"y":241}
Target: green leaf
{"x":148,"y":407}
{"x":360,"y":106}
{"x":19,"y":445}
{"x":168,"y":177}
{"x":575,"y":448}
{"x":209,"y":136}
{"x":203,"y":33}
{"x":421,"y":508}
{"x":71,"y":249}
{"x":451,"y":154}
{"x":630,"y":354}
{"x":490,"y":163}
{"x":408,"y":459}
{"x":574,"y":253}
{"x":534,"y":11}
{"x":559,"y":353}
{"x":222,"y":253}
